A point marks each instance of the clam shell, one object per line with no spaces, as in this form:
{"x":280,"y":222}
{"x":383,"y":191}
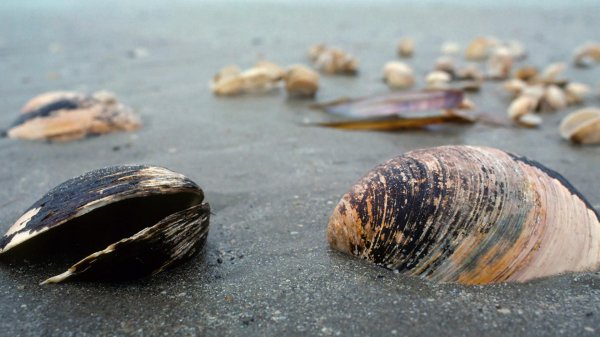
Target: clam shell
{"x":472,"y":215}
{"x":66,"y":116}
{"x":582,"y":126}
{"x":124,"y":221}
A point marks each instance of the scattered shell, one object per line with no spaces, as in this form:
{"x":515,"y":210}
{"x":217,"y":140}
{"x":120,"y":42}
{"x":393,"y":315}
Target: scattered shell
{"x":300,"y":80}
{"x":232,"y":81}
{"x":553,"y":71}
{"x":530,"y":120}
{"x":521,"y":106}
{"x":526,"y":73}
{"x":470,"y":72}
{"x":582,"y":126}
{"x":129,"y":221}
{"x":514,"y":86}
{"x":587,"y":55}
{"x":500,"y":64}
{"x":450,"y":48}
{"x":275,"y":72}
{"x":576,"y":92}
{"x":398,"y":75}
{"x":478,"y":49}
{"x":406,"y":47}
{"x":227,"y":81}
{"x":465,"y":214}
{"x":438,"y":79}
{"x":554,"y":98}
{"x":332,"y":60}
{"x":66,"y":116}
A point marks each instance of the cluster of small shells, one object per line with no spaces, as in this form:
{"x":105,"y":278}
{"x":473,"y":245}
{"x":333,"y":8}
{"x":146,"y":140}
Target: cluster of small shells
{"x":535,"y":92}
{"x":299,"y":80}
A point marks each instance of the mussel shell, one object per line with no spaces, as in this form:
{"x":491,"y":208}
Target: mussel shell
{"x":465,"y":214}
{"x":151,"y":217}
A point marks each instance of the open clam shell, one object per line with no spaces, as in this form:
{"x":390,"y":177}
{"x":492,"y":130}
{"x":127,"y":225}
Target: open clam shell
{"x":122,"y":222}
{"x":465,"y":214}
{"x":66,"y":116}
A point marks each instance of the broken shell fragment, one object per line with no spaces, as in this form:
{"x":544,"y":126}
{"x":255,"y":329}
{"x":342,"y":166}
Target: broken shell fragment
{"x":582,"y":126}
{"x":406,"y":47}
{"x":120,"y":222}
{"x":398,"y":75}
{"x":66,"y":116}
{"x":300,"y":80}
{"x":587,"y":55}
{"x":471,"y":215}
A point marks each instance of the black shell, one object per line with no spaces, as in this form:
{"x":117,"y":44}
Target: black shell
{"x":149,"y":217}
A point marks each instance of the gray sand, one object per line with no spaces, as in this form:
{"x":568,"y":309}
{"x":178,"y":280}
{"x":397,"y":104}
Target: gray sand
{"x":272,"y":183}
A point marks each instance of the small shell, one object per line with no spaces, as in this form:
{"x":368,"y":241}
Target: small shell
{"x":232,"y":81}
{"x":527,"y":73}
{"x":582,"y":126}
{"x":587,"y":55}
{"x":478,"y":49}
{"x":465,"y":214}
{"x":129,"y":221}
{"x":555,"y":98}
{"x":516,"y":49}
{"x":438,"y":80}
{"x":333,"y":60}
{"x":450,"y":48}
{"x":275,"y":72}
{"x":470,"y":72}
{"x":398,"y":75}
{"x":500,"y":64}
{"x":406,"y":47}
{"x":521,"y":106}
{"x":67,"y":116}
{"x":300,"y":80}
{"x":227,"y":81}
{"x":530,"y":120}
{"x":514,"y":86}
{"x":576,"y":92}
{"x":552,"y":72}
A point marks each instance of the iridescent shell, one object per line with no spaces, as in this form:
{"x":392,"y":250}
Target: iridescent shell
{"x":120,"y":222}
{"x":472,"y":215}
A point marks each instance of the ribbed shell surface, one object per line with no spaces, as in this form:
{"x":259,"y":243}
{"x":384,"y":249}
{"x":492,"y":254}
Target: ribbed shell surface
{"x":466,"y":214}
